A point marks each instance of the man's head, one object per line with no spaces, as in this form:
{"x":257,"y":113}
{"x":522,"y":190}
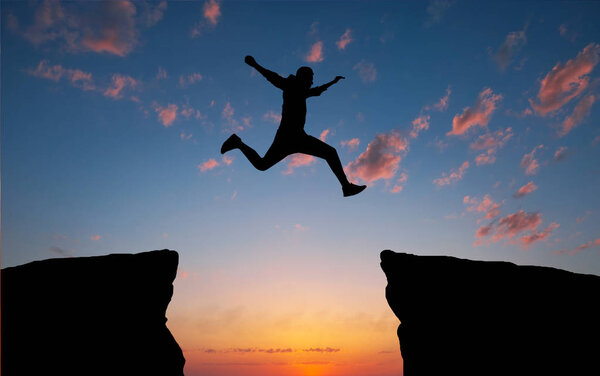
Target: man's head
{"x":305,"y":76}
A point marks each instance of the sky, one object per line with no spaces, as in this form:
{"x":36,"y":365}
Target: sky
{"x":474,"y":125}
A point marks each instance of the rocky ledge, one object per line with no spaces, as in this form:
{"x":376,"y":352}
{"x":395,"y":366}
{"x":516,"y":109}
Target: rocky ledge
{"x":100,"y":315}
{"x":463,"y":317}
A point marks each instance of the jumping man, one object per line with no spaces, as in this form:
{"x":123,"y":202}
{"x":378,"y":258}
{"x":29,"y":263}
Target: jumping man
{"x":291,"y":137}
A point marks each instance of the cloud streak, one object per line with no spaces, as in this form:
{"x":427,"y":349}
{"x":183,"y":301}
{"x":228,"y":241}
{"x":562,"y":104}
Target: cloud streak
{"x":566,"y":81}
{"x":381,"y":159}
{"x":453,"y":176}
{"x":478,"y":115}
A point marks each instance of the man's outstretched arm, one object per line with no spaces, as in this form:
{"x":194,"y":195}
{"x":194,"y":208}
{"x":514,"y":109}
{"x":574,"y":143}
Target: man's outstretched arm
{"x":317,"y":90}
{"x":272,"y":77}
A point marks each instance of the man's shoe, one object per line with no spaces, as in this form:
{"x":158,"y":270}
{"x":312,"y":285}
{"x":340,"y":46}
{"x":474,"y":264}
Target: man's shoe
{"x":231,"y":143}
{"x":353,"y":189}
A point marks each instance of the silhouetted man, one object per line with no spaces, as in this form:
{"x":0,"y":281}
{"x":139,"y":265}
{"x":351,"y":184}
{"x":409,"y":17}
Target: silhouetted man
{"x":291,"y":137}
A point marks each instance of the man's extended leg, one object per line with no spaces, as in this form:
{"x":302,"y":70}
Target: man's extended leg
{"x":273,"y":155}
{"x":315,"y":147}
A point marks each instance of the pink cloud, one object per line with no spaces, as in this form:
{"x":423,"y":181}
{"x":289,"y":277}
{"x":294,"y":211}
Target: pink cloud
{"x":116,"y":33}
{"x":565,"y":82}
{"x":232,"y":124}
{"x":315,"y":55}
{"x":479,"y":115}
{"x":399,"y":186}
{"x":76,"y":77}
{"x":95,"y":237}
{"x":272,"y":116}
{"x":381,"y":159}
{"x":188,"y":111}
{"x":120,"y":83}
{"x":487,"y":206}
{"x":514,"y":41}
{"x":324,"y":135}
{"x":453,"y":176}
{"x":581,"y":111}
{"x":526,"y":189}
{"x":227,"y":160}
{"x":581,"y":247}
{"x":513,"y":225}
{"x":419,"y":124}
{"x":185,"y":136}
{"x":486,"y":158}
{"x":529,"y":163}
{"x":103,"y":27}
{"x":344,"y":40}
{"x":166,"y":115}
{"x":212,"y":12}
{"x":366,"y":71}
{"x":298,"y":160}
{"x":351,"y":144}
{"x":560,"y":153}
{"x":208,"y":165}
{"x":528,"y":240}
{"x":442,"y":104}
{"x":492,"y":142}
{"x":185,"y":81}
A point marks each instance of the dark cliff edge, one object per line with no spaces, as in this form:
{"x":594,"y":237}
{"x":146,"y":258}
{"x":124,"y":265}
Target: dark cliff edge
{"x":463,"y":317}
{"x":101,"y":315}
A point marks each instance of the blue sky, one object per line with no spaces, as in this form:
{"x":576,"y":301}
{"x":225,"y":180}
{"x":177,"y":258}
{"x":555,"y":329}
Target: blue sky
{"x":113,"y":114}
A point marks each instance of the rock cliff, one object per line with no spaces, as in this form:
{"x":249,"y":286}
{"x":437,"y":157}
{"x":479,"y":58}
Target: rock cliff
{"x":463,"y":317}
{"x":100,"y":315}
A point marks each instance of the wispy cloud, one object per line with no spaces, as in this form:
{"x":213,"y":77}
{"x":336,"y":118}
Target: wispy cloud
{"x":560,"y":153}
{"x":211,"y":14}
{"x":479,"y":115}
{"x":435,"y":11}
{"x":490,"y":142}
{"x":95,"y":237}
{"x":381,"y":159}
{"x":419,"y":124}
{"x":119,"y":84}
{"x":76,"y":77}
{"x":452,"y":176}
{"x":272,"y":116}
{"x":344,"y":40}
{"x":109,"y":27}
{"x":529,"y":163}
{"x":513,"y":42}
{"x":351,"y":144}
{"x":566,"y":81}
{"x":232,"y":124}
{"x":581,"y":111}
{"x":315,"y":54}
{"x":212,"y":11}
{"x":366,"y":71}
{"x":185,"y":81}
{"x":510,"y":227}
{"x":208,"y":165}
{"x":525,"y":190}
{"x":166,"y":115}
{"x":399,"y":185}
{"x":486,"y":206}
{"x":579,"y":248}
{"x":442,"y":104}
{"x":298,"y":160}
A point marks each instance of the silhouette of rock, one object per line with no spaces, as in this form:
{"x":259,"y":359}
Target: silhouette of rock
{"x":463,"y":317}
{"x":100,"y":315}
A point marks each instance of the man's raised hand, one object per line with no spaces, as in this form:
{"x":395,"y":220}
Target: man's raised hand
{"x":337,"y":78}
{"x":250,"y":60}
